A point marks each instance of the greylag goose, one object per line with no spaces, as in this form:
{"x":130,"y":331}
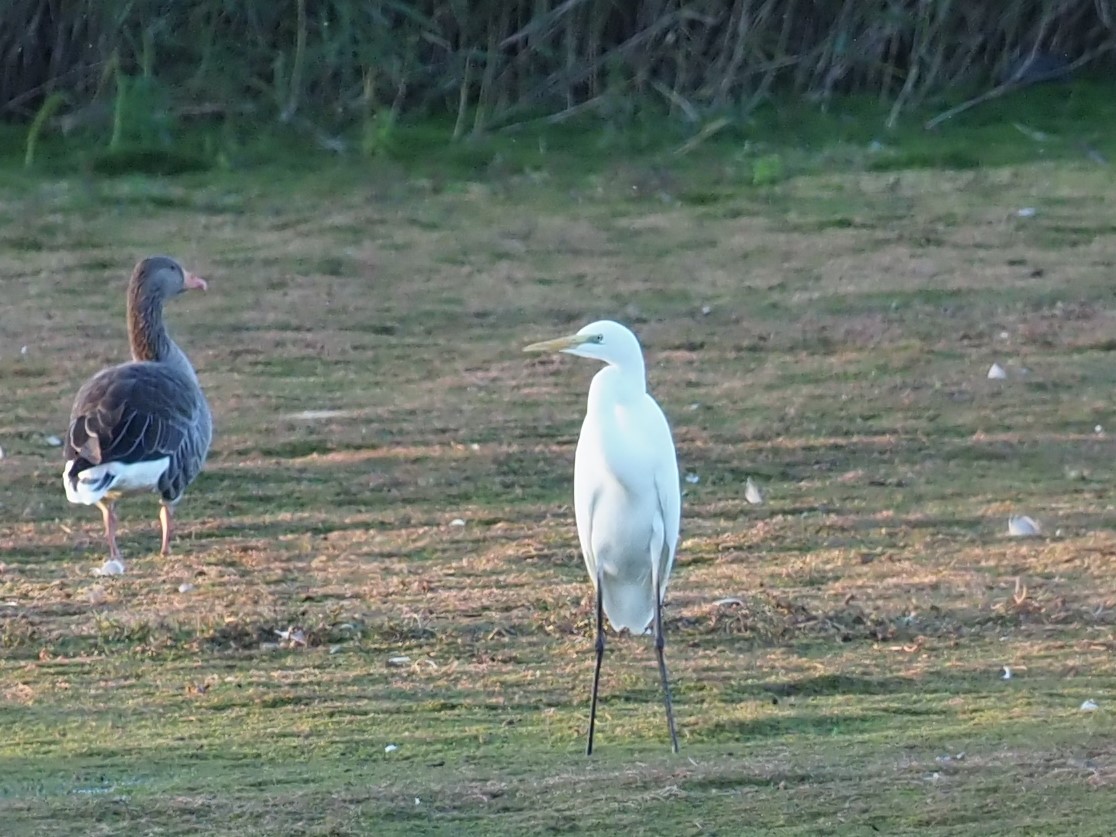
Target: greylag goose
{"x":145,"y":425}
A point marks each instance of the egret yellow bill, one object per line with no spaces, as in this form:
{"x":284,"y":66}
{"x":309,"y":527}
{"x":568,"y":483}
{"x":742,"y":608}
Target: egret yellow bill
{"x":627,"y":499}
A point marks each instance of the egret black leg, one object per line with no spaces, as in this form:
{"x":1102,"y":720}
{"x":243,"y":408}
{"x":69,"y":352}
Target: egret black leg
{"x":660,"y":645}
{"x":597,"y":670}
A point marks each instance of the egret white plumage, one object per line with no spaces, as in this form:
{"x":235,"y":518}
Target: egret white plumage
{"x":627,"y":499}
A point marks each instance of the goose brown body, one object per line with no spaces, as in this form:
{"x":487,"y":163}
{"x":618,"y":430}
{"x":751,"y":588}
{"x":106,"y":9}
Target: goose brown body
{"x":143,"y":425}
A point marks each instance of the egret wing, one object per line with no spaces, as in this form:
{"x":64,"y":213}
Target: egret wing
{"x":667,"y":488}
{"x":586,"y":494}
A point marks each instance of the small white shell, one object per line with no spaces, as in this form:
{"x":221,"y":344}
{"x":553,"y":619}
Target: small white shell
{"x":111,"y":567}
{"x":996,"y":372}
{"x":752,"y":493}
{"x":1021,"y":526}
{"x":293,"y":635}
{"x":316,"y":415}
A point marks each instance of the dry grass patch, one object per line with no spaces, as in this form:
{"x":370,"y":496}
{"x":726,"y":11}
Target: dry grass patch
{"x":382,"y":550}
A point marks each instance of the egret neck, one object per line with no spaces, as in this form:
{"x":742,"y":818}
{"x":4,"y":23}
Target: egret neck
{"x":617,"y":391}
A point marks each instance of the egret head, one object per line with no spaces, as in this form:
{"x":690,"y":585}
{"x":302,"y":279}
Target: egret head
{"x":603,"y":340}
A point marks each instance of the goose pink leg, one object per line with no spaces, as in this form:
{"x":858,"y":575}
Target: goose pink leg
{"x":166,"y":519}
{"x":108,"y":512}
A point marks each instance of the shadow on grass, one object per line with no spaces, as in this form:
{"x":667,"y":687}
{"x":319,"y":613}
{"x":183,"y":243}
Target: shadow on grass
{"x":842,"y":684}
{"x":830,"y":724}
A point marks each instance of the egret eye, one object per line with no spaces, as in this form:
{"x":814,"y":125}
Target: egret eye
{"x":598,"y":338}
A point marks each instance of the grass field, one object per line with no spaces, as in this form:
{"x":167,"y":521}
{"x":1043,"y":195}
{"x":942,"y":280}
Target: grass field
{"x":837,"y":653}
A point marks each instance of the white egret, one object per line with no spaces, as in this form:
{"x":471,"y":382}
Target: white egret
{"x":627,"y":498}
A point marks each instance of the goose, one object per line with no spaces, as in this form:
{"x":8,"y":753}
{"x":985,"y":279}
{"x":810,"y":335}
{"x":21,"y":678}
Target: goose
{"x":145,"y":425}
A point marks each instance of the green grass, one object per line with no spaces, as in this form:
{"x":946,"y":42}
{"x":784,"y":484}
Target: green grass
{"x":782,"y":139}
{"x":837,"y":653}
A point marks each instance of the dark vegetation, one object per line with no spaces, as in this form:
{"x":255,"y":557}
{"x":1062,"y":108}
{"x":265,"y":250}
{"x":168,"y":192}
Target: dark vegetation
{"x":136,"y":68}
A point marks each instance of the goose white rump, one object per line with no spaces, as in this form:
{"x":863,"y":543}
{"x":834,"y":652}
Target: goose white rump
{"x":91,"y":485}
{"x":627,"y":499}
